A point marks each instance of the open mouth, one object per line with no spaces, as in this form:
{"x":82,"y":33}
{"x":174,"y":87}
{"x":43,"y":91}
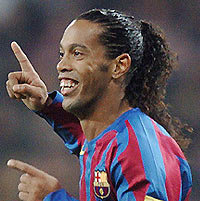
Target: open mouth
{"x":67,"y":86}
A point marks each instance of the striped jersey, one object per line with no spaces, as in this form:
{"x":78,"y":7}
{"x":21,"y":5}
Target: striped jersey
{"x":133,"y":159}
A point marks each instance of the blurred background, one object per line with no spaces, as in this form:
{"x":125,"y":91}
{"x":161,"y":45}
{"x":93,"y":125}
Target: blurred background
{"x":38,"y":27}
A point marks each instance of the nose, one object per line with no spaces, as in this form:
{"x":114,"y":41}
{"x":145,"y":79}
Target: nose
{"x":62,"y":67}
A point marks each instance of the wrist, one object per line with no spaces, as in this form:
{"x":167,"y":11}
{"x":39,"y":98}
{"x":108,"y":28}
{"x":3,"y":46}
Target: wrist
{"x":48,"y":102}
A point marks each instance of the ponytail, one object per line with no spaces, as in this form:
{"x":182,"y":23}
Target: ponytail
{"x":150,"y":79}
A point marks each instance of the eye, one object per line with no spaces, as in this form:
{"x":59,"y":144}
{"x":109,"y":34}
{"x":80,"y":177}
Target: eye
{"x":61,"y":54}
{"x":76,"y":53}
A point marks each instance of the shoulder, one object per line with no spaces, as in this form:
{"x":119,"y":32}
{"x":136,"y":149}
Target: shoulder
{"x":135,"y":127}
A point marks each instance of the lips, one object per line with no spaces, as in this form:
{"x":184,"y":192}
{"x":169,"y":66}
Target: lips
{"x":68,"y":86}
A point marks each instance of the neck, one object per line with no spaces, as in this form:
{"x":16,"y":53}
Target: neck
{"x":105,"y":113}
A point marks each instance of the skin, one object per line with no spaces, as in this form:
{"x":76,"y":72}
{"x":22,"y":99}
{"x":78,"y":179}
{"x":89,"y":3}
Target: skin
{"x":99,"y":93}
{"x":34,"y":184}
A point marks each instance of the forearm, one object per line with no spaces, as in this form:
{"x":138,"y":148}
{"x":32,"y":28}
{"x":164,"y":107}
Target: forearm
{"x":65,"y":124}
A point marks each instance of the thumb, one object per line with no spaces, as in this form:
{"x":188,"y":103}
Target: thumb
{"x":27,"y":90}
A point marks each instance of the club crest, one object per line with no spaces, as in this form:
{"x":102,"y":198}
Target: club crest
{"x":101,"y":185}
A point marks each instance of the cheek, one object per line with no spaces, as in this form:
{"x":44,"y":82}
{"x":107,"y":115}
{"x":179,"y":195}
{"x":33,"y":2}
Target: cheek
{"x":93,"y":77}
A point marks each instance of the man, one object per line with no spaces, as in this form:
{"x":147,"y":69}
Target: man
{"x":113,"y":72}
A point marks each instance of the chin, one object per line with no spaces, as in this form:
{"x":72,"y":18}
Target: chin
{"x":67,"y":105}
{"x":79,"y":108}
{"x":74,"y":107}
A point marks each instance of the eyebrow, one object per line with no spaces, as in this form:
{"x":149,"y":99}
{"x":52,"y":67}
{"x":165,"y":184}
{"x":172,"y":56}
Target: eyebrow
{"x":75,"y":45}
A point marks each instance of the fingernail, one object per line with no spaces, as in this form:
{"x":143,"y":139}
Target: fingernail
{"x":10,"y":163}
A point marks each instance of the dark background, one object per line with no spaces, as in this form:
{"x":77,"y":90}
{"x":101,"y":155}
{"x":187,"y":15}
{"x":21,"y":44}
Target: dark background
{"x":38,"y":26}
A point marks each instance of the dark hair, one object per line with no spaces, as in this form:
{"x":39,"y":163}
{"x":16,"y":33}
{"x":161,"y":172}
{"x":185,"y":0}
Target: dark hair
{"x":152,"y":63}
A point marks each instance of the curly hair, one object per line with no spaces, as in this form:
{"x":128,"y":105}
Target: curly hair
{"x":152,"y":63}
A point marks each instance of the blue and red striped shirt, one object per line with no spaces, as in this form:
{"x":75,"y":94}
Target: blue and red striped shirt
{"x":133,"y":159}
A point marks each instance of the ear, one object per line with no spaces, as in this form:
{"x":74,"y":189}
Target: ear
{"x":122,"y":65}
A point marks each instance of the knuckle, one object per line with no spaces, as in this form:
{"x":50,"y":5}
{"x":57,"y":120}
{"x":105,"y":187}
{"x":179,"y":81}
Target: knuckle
{"x":10,"y":75}
{"x":24,"y":60}
{"x":19,"y":187}
{"x":21,"y":196}
{"x":7,"y":82}
{"x":24,"y":87}
{"x":23,"y":178}
{"x":22,"y":187}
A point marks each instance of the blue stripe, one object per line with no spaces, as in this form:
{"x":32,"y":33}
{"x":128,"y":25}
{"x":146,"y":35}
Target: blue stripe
{"x":162,"y":129}
{"x":186,"y":177}
{"x":151,"y":154}
{"x":70,"y":141}
{"x":180,"y":195}
{"x":91,"y":151}
{"x":81,"y":166}
{"x":59,"y":195}
{"x":120,"y":183}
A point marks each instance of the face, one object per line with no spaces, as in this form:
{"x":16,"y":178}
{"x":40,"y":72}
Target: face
{"x":84,"y":71}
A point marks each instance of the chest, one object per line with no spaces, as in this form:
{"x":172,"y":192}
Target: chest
{"x":95,"y":181}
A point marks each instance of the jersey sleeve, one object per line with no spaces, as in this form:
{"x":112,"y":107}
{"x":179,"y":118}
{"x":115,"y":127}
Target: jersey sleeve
{"x":60,"y":195}
{"x":65,"y":124}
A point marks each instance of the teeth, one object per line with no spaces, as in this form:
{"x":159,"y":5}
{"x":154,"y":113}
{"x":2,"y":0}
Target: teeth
{"x":62,"y":84}
{"x":67,"y":83}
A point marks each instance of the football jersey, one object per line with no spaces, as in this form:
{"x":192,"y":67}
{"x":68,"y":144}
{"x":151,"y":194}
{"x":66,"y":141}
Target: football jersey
{"x":133,"y":159}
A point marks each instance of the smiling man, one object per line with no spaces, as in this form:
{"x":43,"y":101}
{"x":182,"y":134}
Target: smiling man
{"x":110,"y":112}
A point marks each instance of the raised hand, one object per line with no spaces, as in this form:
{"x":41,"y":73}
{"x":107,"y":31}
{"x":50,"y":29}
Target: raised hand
{"x":34,"y":184}
{"x":26,"y":84}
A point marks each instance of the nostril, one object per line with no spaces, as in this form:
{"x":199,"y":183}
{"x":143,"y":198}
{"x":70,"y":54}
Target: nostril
{"x":65,"y":70}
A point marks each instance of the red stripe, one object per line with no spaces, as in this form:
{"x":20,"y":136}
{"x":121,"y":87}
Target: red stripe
{"x":188,"y":195}
{"x":111,"y":154}
{"x":83,"y":195}
{"x":100,"y":147}
{"x":169,"y":150}
{"x":132,"y":166}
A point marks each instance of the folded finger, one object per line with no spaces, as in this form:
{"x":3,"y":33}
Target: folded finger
{"x":25,"y":178}
{"x":26,"y":90}
{"x":22,"y":187}
{"x":11,"y":93}
{"x":23,"y":196}
{"x":15,"y":78}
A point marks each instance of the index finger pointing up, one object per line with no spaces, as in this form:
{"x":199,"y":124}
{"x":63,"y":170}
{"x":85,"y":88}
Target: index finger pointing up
{"x":24,"y":62}
{"x":24,"y":167}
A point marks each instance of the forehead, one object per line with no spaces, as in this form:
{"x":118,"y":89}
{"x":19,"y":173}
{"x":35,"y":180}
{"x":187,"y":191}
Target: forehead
{"x":82,"y":32}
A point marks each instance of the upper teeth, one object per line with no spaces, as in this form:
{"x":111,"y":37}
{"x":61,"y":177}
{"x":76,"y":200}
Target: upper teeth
{"x":67,"y":83}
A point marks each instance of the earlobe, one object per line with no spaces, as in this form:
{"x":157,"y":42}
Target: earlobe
{"x":122,"y":65}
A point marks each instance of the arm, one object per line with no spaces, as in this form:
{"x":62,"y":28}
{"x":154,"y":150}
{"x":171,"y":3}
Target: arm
{"x":27,"y":86}
{"x":65,"y":124}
